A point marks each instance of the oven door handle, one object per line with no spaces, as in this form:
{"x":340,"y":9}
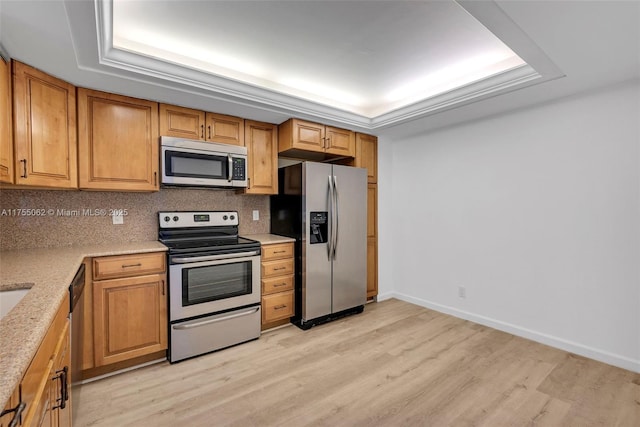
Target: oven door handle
{"x":219,"y":319}
{"x":185,"y":260}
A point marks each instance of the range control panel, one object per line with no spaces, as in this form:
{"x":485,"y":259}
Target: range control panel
{"x":197,"y":219}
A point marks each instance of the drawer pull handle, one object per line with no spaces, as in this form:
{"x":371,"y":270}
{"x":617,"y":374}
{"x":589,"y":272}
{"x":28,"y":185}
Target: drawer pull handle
{"x":279,"y":268}
{"x":24,"y":162}
{"x":131,"y":265}
{"x":64,"y":390}
{"x":279,"y":252}
{"x":18,"y":413}
{"x":279,"y":284}
{"x":279,"y":307}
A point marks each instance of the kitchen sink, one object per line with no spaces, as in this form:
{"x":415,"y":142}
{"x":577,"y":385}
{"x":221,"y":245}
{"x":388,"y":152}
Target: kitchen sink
{"x":8,"y":300}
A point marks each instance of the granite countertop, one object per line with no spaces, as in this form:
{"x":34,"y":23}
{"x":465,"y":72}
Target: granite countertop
{"x":266,"y":239}
{"x":48,"y":273}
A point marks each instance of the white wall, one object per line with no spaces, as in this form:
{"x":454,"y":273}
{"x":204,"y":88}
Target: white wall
{"x":536,"y":213}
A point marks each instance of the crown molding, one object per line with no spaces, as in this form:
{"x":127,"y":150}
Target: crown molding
{"x":134,"y":66}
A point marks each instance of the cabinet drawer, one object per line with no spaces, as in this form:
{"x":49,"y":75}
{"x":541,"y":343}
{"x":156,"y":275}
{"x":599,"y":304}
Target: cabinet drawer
{"x":277,"y":284}
{"x":278,"y":251}
{"x":112,"y":267}
{"x":277,"y":306}
{"x":277,"y":268}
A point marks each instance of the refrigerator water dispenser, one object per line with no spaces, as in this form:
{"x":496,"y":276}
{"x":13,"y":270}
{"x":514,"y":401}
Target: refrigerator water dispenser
{"x":318,"y":227}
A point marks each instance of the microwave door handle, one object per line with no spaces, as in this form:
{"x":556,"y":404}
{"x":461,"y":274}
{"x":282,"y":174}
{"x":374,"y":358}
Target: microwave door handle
{"x":230,"y":167}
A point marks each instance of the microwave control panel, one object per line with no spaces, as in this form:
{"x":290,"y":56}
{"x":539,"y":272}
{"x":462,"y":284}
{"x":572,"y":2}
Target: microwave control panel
{"x":239,"y":169}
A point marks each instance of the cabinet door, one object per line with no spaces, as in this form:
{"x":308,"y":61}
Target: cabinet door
{"x":45,"y":129}
{"x":182,"y":122}
{"x":367,"y":155}
{"x":372,"y":240}
{"x":130,"y":318}
{"x":340,"y":141}
{"x":6,"y":124}
{"x":225,"y":129}
{"x":301,"y":135}
{"x":372,"y":268}
{"x":372,"y":210}
{"x":262,"y":152}
{"x":12,"y":403}
{"x":61,"y":385}
{"x":118,"y":142}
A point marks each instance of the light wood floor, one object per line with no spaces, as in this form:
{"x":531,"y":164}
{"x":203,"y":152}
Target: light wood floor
{"x":396,"y":364}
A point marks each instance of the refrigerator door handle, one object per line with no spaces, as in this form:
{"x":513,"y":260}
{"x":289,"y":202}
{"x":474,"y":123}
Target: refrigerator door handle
{"x":336,"y":216}
{"x":330,"y":237}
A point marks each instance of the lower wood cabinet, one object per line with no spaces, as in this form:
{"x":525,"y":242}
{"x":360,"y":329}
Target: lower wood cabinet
{"x":372,"y":240}
{"x":11,"y":408}
{"x":45,"y":389}
{"x":129,"y":308}
{"x":61,"y":387}
{"x":277,"y":284}
{"x":130,"y":318}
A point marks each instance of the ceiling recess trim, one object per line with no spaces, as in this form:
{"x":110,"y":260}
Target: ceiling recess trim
{"x":539,"y":68}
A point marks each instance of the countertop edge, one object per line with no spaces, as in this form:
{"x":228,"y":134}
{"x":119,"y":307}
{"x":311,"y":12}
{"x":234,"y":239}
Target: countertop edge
{"x":267,"y":238}
{"x":49,"y":271}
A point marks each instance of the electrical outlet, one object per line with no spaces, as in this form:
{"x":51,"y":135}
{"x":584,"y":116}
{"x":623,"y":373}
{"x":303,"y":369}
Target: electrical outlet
{"x":117,"y":218}
{"x":256,"y":215}
{"x":462,"y":292}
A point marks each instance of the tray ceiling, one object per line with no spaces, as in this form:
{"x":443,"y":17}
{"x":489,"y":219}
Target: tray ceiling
{"x":364,"y":63}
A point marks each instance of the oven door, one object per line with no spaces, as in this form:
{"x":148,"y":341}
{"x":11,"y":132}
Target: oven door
{"x":200,"y":285}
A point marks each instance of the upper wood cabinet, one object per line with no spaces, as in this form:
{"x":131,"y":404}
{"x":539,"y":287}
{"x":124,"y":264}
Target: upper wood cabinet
{"x":118,"y":142}
{"x":339,"y":141}
{"x":194,"y":124}
{"x":367,"y":155}
{"x":225,"y":129}
{"x":301,"y":139}
{"x":181,"y":122}
{"x":262,"y":152}
{"x":6,"y":124}
{"x":45,"y":139}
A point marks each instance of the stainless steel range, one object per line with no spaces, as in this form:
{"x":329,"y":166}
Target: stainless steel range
{"x":214,"y":282}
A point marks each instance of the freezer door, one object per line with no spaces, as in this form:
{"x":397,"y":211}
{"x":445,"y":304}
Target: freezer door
{"x":350,"y":238}
{"x":316,"y":274}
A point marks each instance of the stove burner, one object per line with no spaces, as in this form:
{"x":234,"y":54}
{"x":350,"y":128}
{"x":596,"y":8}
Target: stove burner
{"x":214,"y":232}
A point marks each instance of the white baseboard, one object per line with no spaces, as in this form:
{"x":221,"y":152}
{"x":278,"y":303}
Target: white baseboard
{"x":386,"y":295}
{"x":570,"y":346}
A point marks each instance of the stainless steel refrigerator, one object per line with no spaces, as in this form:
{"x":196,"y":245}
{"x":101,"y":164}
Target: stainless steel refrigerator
{"x":324,"y":207}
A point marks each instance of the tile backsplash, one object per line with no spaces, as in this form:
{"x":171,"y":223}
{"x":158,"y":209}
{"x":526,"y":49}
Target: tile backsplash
{"x":77,"y":217}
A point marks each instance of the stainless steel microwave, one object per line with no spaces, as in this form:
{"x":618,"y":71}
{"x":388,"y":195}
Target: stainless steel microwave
{"x":192,"y":163}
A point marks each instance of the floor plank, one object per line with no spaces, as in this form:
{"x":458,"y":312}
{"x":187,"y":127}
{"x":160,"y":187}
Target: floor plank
{"x":396,"y":364}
